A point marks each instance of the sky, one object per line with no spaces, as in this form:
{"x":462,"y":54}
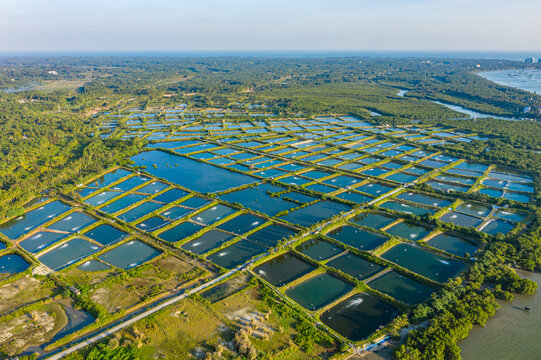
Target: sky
{"x":291,"y":25}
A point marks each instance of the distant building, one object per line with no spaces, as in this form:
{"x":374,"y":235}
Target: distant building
{"x":74,"y":290}
{"x":530,"y":60}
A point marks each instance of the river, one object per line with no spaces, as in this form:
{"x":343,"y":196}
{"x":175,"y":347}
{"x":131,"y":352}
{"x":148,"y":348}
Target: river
{"x":524,"y":79}
{"x":470,"y":114}
{"x":512,"y":333}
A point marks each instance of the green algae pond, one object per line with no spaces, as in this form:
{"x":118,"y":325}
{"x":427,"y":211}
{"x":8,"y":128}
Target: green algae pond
{"x":318,"y":291}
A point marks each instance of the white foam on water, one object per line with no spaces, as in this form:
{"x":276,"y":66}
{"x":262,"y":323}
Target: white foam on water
{"x":354,"y":302}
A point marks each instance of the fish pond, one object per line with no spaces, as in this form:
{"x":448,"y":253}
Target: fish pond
{"x":236,"y":254}
{"x":318,"y":249}
{"x":283,"y":269}
{"x":192,"y":174}
{"x":357,"y":238}
{"x":355,"y":266}
{"x":359,"y":316}
{"x":318,"y":291}
{"x":129,"y":254}
{"x":402,"y":288}
{"x":423,"y":262}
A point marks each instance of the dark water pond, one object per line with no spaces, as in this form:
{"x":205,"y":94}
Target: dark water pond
{"x":359,"y":316}
{"x":236,"y":254}
{"x":402,"y":288}
{"x":355,"y":266}
{"x":283,"y":269}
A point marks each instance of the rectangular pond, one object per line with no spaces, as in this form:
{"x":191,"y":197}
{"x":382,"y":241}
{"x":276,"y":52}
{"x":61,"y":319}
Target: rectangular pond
{"x":102,"y":197}
{"x":318,"y":249}
{"x":402,"y":288}
{"x":236,"y":254}
{"x":258,"y":200}
{"x":206,"y":242}
{"x":359,"y":316}
{"x":423,"y":262}
{"x":12,"y":264}
{"x":30,"y":220}
{"x":311,"y":214}
{"x":105,"y":234}
{"x":355,"y":266}
{"x":283,"y":269}
{"x":68,"y":253}
{"x":496,"y":226}
{"x":270,"y":236}
{"x":357,"y":238}
{"x":242,"y":224}
{"x":189,"y":173}
{"x":452,"y":244}
{"x":424,"y":199}
{"x":129,"y":255}
{"x":405,"y":208}
{"x":122,"y":203}
{"x":375,"y":221}
{"x":180,"y":231}
{"x":309,"y":293}
{"x":460,"y":219}
{"x":374,"y":189}
{"x":171,"y":195}
{"x":474,"y":209}
{"x":139,"y":211}
{"x":73,"y":222}
{"x":40,"y":240}
{"x":408,"y":231}
{"x":109,"y":178}
{"x":213,"y":214}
